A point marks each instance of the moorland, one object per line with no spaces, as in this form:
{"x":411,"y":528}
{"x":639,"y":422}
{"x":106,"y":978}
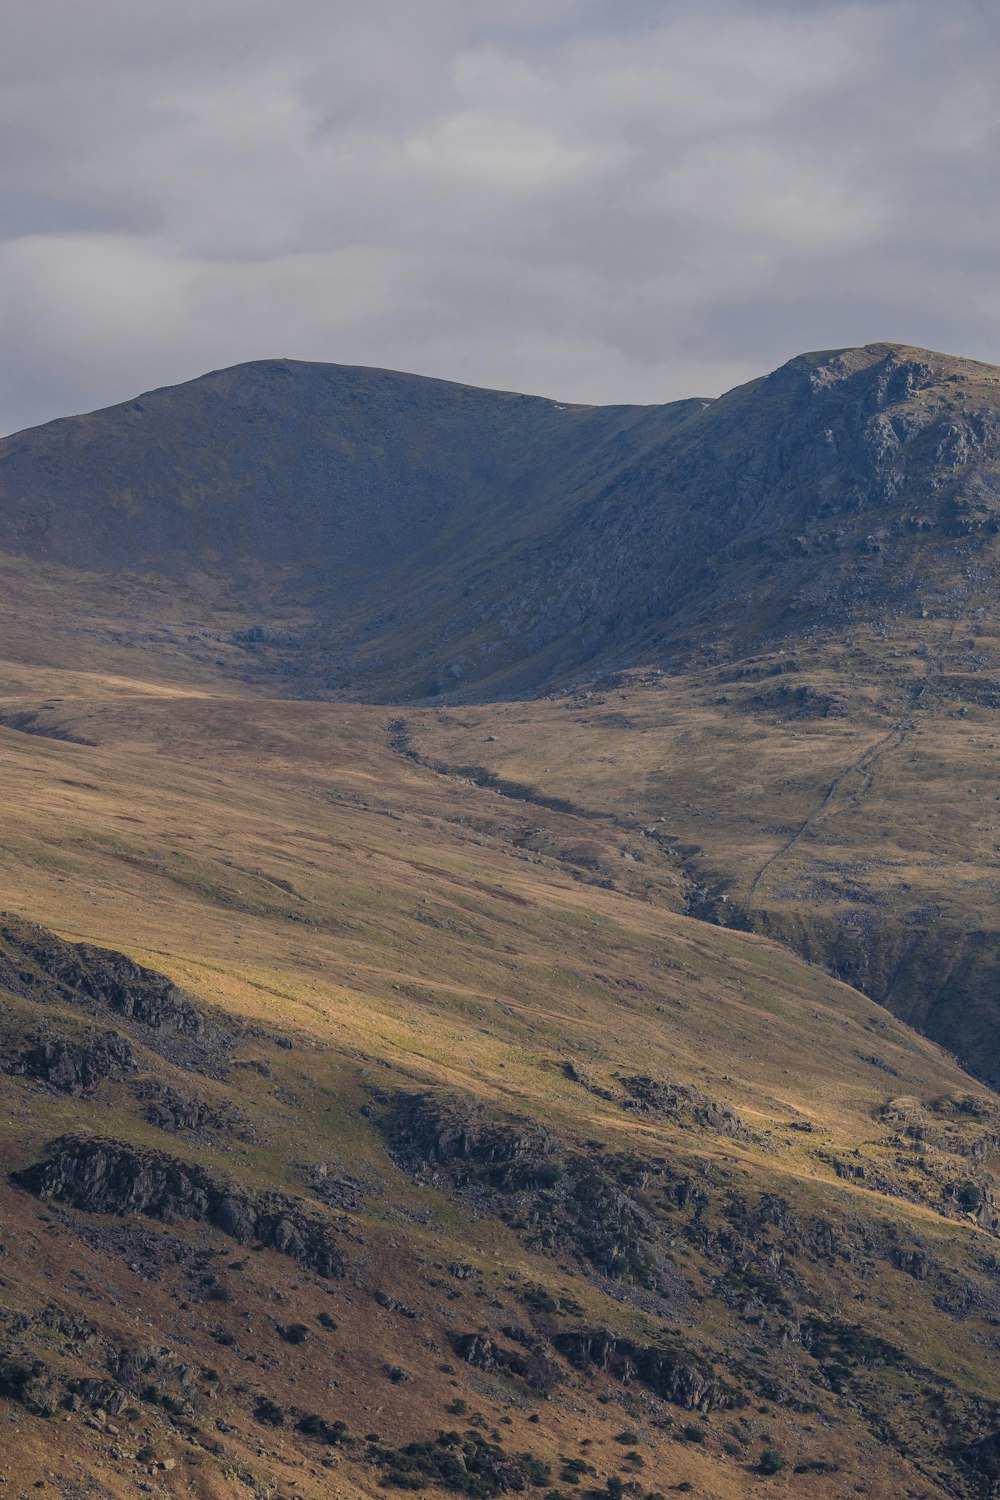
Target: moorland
{"x":500,"y":945}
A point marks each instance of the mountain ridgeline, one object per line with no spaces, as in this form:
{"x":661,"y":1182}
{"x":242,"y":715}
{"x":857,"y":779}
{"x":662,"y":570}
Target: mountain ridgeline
{"x":411,"y":537}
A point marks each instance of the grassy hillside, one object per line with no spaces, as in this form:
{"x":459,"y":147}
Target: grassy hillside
{"x":591,"y":1180}
{"x":841,"y":796}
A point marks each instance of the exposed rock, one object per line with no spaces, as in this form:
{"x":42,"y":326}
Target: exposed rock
{"x":71,"y":1326}
{"x":111,"y":1177}
{"x":38,"y":966}
{"x":425,"y":1129}
{"x":334,"y":1185}
{"x":154,"y":1375}
{"x":26,"y":1380}
{"x":466,"y":1463}
{"x":678,"y":1378}
{"x":392,"y":1304}
{"x":480,"y":1351}
{"x":75,"y":1067}
{"x":915,"y":1262}
{"x":99,"y":1395}
{"x":32,"y":957}
{"x":462,"y":1271}
{"x":556,"y":1198}
{"x":178,"y":1113}
{"x":683,"y":1103}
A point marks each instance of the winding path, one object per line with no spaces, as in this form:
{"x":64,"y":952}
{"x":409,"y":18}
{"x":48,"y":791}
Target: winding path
{"x":861,"y":765}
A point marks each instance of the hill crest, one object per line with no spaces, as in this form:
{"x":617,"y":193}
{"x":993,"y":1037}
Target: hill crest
{"x":418,"y":536}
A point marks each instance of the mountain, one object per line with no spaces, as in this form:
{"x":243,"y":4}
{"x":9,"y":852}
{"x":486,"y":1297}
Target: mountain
{"x":569,"y":1071}
{"x":308,"y":486}
{"x":319,"y":531}
{"x":409,"y":537}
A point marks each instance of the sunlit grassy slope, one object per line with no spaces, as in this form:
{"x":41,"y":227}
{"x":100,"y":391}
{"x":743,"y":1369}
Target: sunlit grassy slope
{"x":409,"y":930}
{"x":842,"y":794}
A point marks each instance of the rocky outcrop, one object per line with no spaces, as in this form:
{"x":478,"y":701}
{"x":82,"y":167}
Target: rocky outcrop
{"x":684,"y":1104}
{"x":111,"y":1177}
{"x":676,"y":1377}
{"x":98,"y":1394}
{"x":425,"y":1130}
{"x":178,"y":1113}
{"x":530,"y":1365}
{"x":38,"y":966}
{"x":556,"y":1198}
{"x":34,"y":959}
{"x":465,"y":1463}
{"x":26,"y":1380}
{"x":914,"y":1261}
{"x":155,"y":1375}
{"x":75,"y":1067}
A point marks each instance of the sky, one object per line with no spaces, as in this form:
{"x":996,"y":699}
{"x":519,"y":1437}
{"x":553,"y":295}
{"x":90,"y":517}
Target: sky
{"x":594,"y":200}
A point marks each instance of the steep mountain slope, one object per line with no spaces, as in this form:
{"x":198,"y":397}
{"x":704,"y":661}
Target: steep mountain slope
{"x":415,"y":1110}
{"x":305,"y":483}
{"x":845,"y":485}
{"x":396,"y":536}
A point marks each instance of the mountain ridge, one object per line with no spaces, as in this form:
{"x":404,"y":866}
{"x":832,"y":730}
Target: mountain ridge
{"x":323,"y":427}
{"x":438,"y":538}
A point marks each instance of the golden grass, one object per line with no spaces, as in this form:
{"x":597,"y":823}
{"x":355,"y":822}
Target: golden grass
{"x":412,"y":929}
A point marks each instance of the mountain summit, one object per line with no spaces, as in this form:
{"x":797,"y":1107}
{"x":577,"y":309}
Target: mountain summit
{"x":429,"y":537}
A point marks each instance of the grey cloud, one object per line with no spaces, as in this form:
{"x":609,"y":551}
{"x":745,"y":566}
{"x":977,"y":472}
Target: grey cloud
{"x":596,"y":199}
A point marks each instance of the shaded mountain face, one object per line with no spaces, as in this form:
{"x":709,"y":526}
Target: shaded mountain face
{"x":800,"y":499}
{"x":304,"y":482}
{"x":842,"y":485}
{"x":425,"y":537}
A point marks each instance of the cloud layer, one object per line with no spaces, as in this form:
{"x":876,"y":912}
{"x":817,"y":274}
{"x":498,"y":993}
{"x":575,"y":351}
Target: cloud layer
{"x":599,"y":200}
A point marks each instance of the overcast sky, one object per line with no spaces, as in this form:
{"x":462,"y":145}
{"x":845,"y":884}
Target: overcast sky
{"x":597,"y":200}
